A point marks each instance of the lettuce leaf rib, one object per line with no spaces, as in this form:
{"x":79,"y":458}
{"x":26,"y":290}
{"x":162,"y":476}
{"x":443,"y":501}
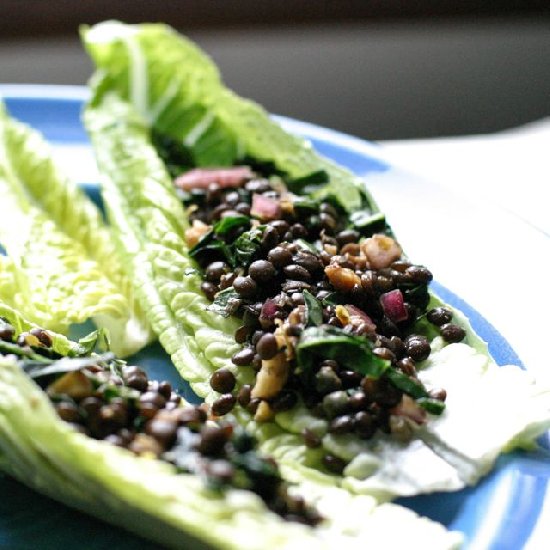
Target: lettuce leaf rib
{"x":148,"y":225}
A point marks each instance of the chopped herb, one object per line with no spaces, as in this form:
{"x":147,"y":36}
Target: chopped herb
{"x":314,"y":309}
{"x":305,"y":205}
{"x":97,"y":339}
{"x":309,"y":182}
{"x":306,"y":246}
{"x":408,"y":385}
{"x":228,"y":223}
{"x":368,"y":223}
{"x":226,"y":302}
{"x":247,"y":245}
{"x":62,"y":366}
{"x":433,"y":406}
{"x":350,"y":351}
{"x":9,"y":348}
{"x":335,"y":299}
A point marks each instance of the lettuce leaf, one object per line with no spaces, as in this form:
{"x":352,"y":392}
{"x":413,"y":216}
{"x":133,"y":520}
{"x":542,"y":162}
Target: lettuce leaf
{"x":148,"y":221}
{"x":62,"y":268}
{"x":133,"y":174}
{"x":150,"y":498}
{"x":177,"y":90}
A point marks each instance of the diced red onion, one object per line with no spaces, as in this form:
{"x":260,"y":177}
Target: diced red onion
{"x":393,"y":305}
{"x":265,"y":208}
{"x":269,"y":310}
{"x":201,"y":178}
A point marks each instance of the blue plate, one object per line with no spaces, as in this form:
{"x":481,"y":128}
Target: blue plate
{"x":505,"y":511}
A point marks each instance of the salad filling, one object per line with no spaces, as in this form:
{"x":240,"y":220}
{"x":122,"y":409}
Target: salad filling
{"x":333,"y":314}
{"x":108,"y":400}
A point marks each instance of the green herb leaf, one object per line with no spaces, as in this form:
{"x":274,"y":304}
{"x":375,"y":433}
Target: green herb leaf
{"x":226,"y":302}
{"x":302,"y":243}
{"x":349,"y":351}
{"x":335,"y":299}
{"x":247,"y":245}
{"x":408,"y":385}
{"x":96,"y":339}
{"x":433,"y":406}
{"x":309,"y":181}
{"x":63,"y":366}
{"x":368,"y":223}
{"x":305,"y":205}
{"x":314,"y":309}
{"x":223,"y":227}
{"x":9,"y":348}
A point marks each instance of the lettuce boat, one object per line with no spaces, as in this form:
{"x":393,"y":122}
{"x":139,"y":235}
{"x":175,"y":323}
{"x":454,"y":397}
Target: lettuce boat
{"x":154,"y":91}
{"x":144,"y":494}
{"x":61,"y":268}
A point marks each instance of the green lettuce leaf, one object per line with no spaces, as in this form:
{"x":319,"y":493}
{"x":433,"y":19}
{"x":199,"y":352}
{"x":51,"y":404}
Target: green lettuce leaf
{"x":149,"y":224}
{"x":150,"y":498}
{"x":62,"y":267}
{"x":177,"y":90}
{"x":8,"y":287}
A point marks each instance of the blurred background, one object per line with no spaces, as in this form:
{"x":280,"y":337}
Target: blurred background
{"x":378,"y":69}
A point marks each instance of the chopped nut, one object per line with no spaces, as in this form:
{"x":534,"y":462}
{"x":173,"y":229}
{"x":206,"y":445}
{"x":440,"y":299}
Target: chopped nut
{"x":342,"y":278}
{"x":264,"y":412}
{"x":381,"y":251}
{"x":194,"y":233}
{"x":75,"y":384}
{"x":272,"y":377}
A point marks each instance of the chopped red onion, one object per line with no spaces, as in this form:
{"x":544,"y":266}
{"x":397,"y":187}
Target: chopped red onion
{"x":201,"y":178}
{"x":265,"y":208}
{"x":408,"y":408}
{"x":269,"y":309}
{"x":393,"y":305}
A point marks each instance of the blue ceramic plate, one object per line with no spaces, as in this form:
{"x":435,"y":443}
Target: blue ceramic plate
{"x":506,"y":511}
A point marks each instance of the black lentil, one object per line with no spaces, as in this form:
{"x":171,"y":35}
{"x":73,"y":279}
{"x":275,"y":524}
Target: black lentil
{"x":223,"y":404}
{"x":243,"y":357}
{"x":245,"y":286}
{"x":223,"y":381}
{"x":215,"y":270}
{"x":262,"y":271}
{"x":439,"y":316}
{"x":297,"y":273}
{"x":452,"y":333}
{"x":311,"y":439}
{"x":417,"y":347}
{"x":333,"y":464}
{"x":267,"y":346}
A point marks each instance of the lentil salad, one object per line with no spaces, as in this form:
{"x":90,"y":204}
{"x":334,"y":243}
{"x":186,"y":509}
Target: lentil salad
{"x":143,"y":123}
{"x":93,"y":432}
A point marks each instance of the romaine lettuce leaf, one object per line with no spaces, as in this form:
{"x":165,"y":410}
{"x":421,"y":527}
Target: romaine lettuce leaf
{"x":62,"y":269}
{"x":8,"y":287}
{"x":177,"y":90}
{"x":133,"y":174}
{"x":150,"y":498}
{"x":148,"y":221}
